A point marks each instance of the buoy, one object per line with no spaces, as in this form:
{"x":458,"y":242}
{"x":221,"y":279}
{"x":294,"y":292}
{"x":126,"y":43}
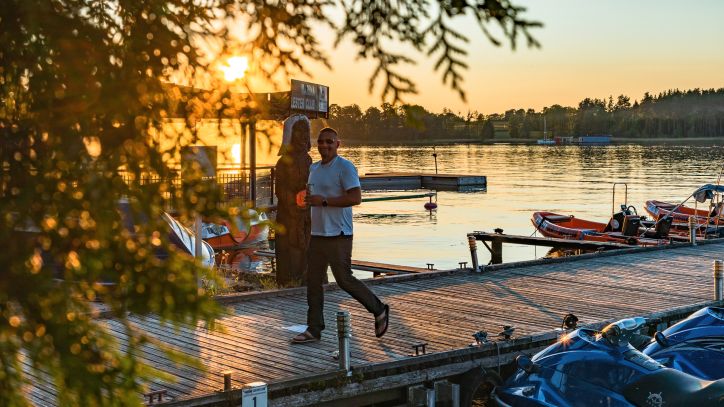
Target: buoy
{"x":430,"y":206}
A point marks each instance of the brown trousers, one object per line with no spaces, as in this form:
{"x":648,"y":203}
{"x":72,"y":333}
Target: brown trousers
{"x":335,"y":252}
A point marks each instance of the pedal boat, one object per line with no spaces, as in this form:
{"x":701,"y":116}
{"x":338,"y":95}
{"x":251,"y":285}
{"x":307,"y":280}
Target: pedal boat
{"x":241,"y":231}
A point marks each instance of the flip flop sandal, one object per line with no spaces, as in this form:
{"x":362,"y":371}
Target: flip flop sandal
{"x":382,"y":324}
{"x":305,"y":337}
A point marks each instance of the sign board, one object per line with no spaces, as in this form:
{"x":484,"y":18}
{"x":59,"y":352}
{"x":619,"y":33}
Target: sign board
{"x":307,"y":98}
{"x":254,"y":395}
{"x":310,"y":99}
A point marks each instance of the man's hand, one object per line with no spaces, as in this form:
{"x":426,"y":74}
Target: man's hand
{"x":350,"y":198}
{"x":314,"y":200}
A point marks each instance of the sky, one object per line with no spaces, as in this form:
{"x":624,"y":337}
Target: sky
{"x":589,"y":49}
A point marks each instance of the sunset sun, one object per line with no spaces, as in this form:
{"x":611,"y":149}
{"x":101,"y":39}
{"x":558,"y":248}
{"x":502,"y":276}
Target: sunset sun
{"x":235,"y":68}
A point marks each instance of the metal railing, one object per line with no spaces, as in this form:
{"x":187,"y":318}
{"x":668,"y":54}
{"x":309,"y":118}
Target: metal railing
{"x":233,"y":183}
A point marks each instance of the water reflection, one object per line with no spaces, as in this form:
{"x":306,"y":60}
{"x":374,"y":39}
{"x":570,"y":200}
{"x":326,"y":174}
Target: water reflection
{"x":247,"y":269}
{"x":560,"y":252}
{"x":428,"y":217}
{"x":245,"y":260}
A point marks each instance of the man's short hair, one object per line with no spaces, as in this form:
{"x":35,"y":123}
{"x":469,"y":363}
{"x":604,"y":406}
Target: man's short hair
{"x":329,"y":130}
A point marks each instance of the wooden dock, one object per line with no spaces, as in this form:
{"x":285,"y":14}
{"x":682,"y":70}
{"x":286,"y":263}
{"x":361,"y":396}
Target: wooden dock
{"x":375,"y":267}
{"x":497,"y":239}
{"x":403,"y":181}
{"x":440,"y":308}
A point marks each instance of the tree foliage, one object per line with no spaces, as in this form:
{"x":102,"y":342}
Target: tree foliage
{"x":378,"y":27}
{"x":83,"y":100}
{"x":673,"y":114}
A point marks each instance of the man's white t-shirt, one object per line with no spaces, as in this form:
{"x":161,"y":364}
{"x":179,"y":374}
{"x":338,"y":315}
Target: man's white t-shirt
{"x":332,"y":180}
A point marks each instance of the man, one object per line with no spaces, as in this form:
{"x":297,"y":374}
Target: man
{"x":335,"y":188}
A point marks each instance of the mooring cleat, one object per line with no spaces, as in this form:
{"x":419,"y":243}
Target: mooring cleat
{"x":507,"y":332}
{"x":481,"y":338}
{"x":569,"y":322}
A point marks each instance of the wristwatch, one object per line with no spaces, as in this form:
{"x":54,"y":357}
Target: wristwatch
{"x":324,"y":202}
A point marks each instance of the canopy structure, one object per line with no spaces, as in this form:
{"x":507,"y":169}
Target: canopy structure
{"x":305,"y":98}
{"x":706,"y":192}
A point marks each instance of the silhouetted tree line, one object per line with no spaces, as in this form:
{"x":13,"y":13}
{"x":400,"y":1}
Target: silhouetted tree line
{"x":670,"y":114}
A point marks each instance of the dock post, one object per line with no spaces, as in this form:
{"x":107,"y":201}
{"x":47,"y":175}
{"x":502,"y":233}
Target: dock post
{"x":344,"y":332}
{"x":718,"y":280}
{"x":227,"y":379}
{"x":692,"y":229}
{"x":473,"y":252}
{"x":447,"y":394}
{"x":420,"y":396}
{"x":497,"y":250}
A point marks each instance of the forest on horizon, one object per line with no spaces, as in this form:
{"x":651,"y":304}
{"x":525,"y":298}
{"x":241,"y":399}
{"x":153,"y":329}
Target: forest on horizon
{"x":674,"y":113}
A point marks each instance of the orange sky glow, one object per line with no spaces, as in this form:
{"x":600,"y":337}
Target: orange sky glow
{"x":589,"y":49}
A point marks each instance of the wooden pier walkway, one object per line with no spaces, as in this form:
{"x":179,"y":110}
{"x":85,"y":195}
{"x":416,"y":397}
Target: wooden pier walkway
{"x":440,"y":308}
{"x":405,"y":180}
{"x":375,"y":267}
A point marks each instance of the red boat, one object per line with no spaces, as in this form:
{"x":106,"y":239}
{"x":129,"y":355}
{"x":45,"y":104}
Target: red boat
{"x":239,"y":232}
{"x":681,"y":213}
{"x":621,"y":228}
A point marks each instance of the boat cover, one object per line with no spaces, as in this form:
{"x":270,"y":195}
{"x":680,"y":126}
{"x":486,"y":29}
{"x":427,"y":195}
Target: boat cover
{"x":707,"y":191}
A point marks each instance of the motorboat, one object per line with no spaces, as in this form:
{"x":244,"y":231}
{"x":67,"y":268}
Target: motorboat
{"x":245,"y":229}
{"x":709,"y":222}
{"x":623,"y":227}
{"x":681,"y":212}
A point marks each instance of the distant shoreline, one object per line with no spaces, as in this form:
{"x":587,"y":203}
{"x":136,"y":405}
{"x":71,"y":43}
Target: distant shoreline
{"x":615,"y":141}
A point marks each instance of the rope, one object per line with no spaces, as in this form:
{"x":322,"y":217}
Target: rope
{"x":542,"y":219}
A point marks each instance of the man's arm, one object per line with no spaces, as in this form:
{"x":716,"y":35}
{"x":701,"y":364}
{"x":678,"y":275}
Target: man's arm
{"x":351,"y":197}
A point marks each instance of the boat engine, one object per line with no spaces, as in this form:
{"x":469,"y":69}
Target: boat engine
{"x":631,"y":224}
{"x":663,"y":226}
{"x":616,"y":222}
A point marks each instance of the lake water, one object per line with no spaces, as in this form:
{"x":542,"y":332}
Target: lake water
{"x":521,"y":179}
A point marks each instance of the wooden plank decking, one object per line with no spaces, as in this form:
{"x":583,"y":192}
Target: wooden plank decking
{"x":442,"y":309}
{"x":404,"y":180}
{"x":372,"y":266}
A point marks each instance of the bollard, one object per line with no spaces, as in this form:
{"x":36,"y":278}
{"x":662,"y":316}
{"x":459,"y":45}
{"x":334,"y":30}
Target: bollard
{"x":227,"y":379}
{"x":430,"y":397}
{"x":692,"y":229}
{"x":152,"y":396}
{"x":473,"y":252}
{"x":344,"y":332}
{"x":718,"y":280}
